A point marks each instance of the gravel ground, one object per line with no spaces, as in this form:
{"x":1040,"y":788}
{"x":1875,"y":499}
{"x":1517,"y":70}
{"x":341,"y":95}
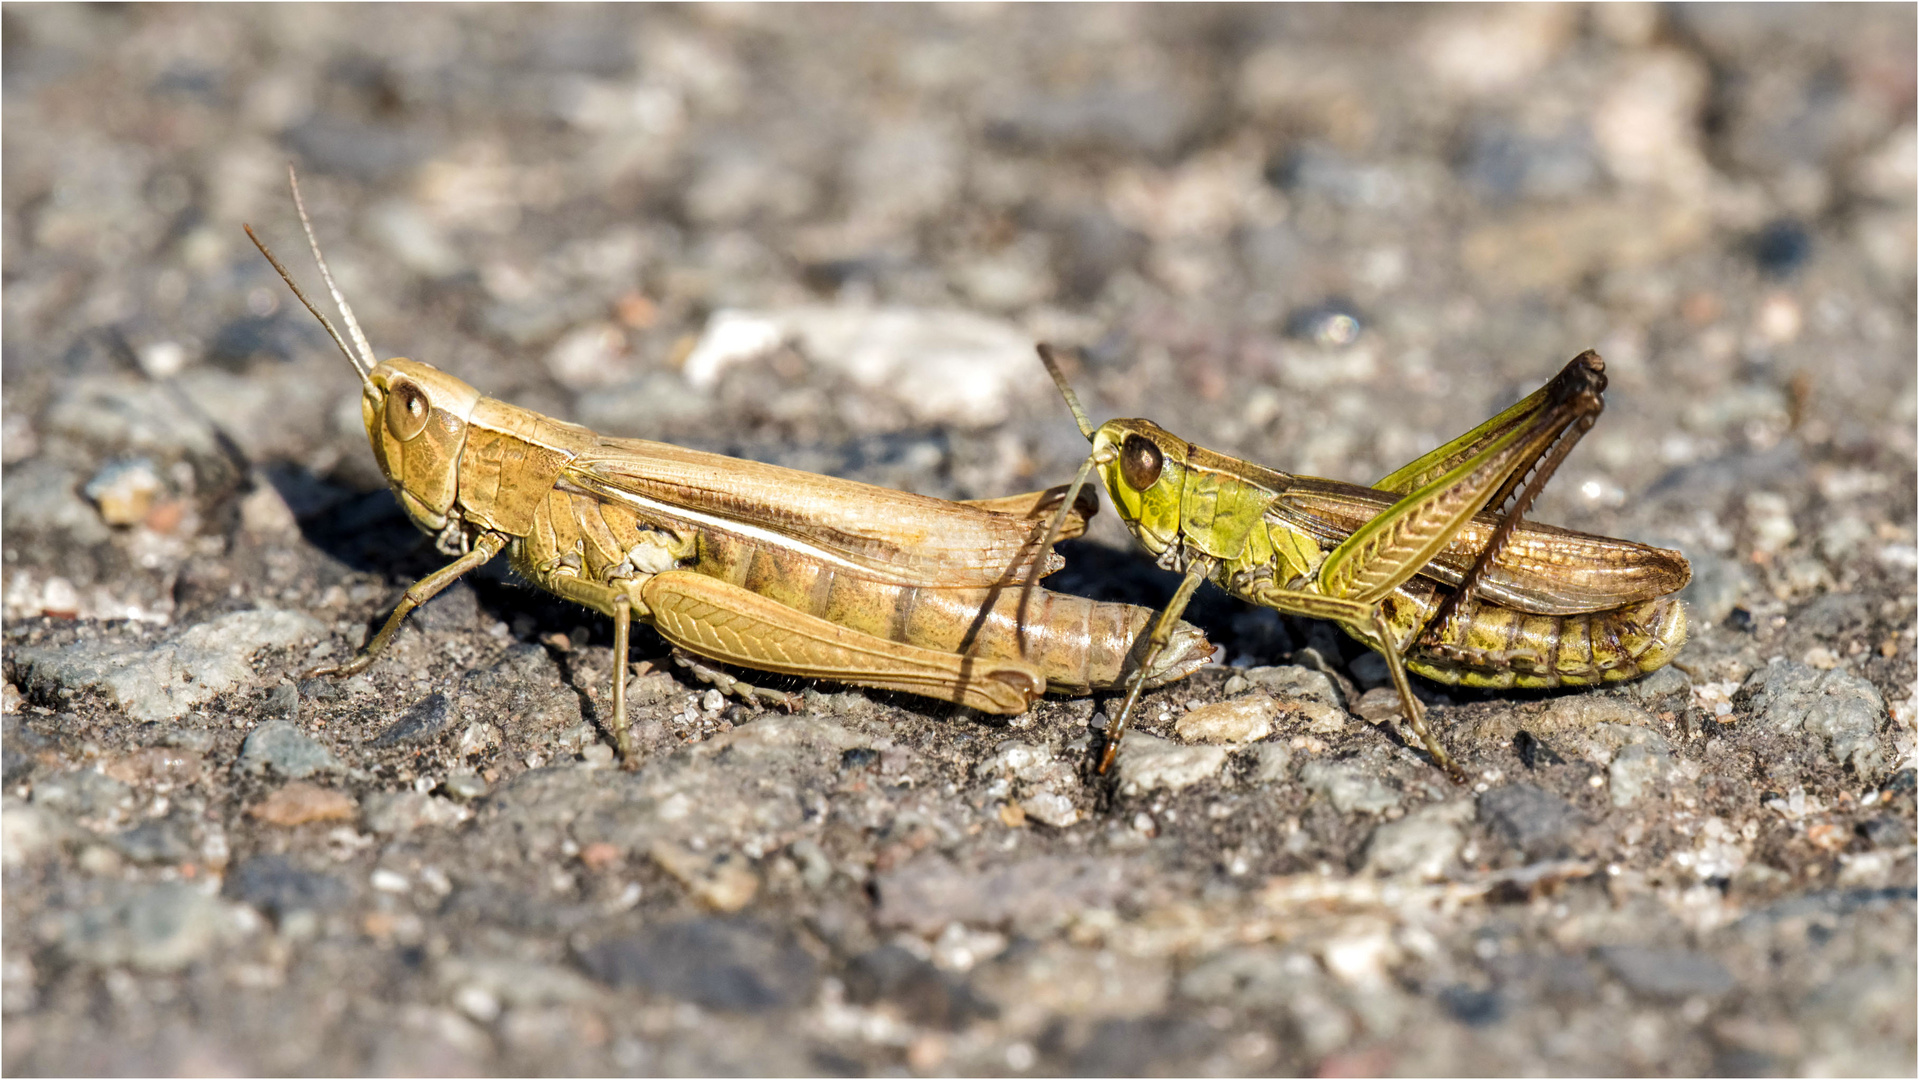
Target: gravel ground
{"x":1323,"y":238}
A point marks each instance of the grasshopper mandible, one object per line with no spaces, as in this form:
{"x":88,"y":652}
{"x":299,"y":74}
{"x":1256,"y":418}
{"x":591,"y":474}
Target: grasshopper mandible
{"x":738,"y":561}
{"x":1433,"y":567}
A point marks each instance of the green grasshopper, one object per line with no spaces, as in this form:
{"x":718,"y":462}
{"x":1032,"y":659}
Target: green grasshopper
{"x":1415,"y":567}
{"x":737,"y":561}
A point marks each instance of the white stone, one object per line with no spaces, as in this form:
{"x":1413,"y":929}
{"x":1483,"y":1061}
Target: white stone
{"x":1243,"y":719}
{"x":1147,"y":762}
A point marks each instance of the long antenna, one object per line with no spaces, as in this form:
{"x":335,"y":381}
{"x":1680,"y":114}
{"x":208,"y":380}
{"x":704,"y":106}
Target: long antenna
{"x":363,"y":362}
{"x":1053,"y":529}
{"x":324,"y":321}
{"x":346,"y":311}
{"x":1049,"y":356}
{"x":1058,"y":523}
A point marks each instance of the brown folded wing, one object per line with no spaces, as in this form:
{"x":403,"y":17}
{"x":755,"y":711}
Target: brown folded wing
{"x":1545,"y":569}
{"x":896,"y":536}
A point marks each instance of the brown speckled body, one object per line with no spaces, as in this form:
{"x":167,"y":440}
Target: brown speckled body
{"x":593,"y":518}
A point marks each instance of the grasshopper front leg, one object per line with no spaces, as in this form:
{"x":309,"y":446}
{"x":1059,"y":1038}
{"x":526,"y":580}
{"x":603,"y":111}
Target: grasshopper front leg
{"x":1196,"y":573}
{"x":485,"y":547}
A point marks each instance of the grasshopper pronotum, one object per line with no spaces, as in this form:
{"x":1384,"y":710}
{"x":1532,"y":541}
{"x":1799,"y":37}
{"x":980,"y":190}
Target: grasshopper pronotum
{"x":1414,"y":567}
{"x":737,"y":561}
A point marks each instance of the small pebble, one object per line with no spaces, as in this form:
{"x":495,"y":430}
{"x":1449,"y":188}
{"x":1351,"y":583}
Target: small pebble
{"x":1049,"y":808}
{"x":1240,"y":720}
{"x":1147,"y":762}
{"x":465,"y":786}
{"x":389,"y":881}
{"x":300,"y":802}
{"x":124,"y":491}
{"x":723,"y":883}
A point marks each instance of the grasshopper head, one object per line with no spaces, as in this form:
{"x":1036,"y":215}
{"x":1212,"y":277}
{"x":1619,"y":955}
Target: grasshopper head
{"x":1144,"y":468}
{"x":416,"y":417}
{"x":1142,"y":464}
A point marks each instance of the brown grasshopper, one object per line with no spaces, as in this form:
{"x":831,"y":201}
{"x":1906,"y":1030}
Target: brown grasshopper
{"x":737,"y":561}
{"x":1415,"y":567}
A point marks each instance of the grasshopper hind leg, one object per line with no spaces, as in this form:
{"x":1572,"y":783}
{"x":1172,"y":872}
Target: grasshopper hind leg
{"x":1410,"y":706}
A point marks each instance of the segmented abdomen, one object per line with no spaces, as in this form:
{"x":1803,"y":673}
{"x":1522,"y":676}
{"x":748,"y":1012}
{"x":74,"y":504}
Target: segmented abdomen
{"x":1078,"y":644}
{"x":1486,"y":645}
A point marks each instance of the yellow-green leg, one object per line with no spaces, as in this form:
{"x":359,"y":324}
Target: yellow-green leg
{"x":1196,"y":573}
{"x":485,"y":546}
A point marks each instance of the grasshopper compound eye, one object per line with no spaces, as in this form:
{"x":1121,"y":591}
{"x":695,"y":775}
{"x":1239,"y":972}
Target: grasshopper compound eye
{"x":1139,"y":462}
{"x":405,"y":410}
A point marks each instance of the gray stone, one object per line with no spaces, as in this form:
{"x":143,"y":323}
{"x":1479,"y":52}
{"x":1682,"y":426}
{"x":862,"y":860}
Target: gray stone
{"x":465,"y":786}
{"x":929,"y":892}
{"x":920,"y":993}
{"x":1715,"y":589}
{"x":1147,"y":120}
{"x":643,"y":407}
{"x":1273,"y":760}
{"x":1259,"y":976}
{"x":165,"y":681}
{"x":1535,"y":821}
{"x":1887,"y":831}
{"x":1147,"y":762}
{"x":421,"y":724}
{"x":158,"y":928}
{"x":286,"y":750}
{"x":1292,"y":681}
{"x":1422,"y":845}
{"x":165,"y":840}
{"x":1238,"y":720}
{"x":1666,"y":973}
{"x":396,"y":813}
{"x":84,"y":794}
{"x":121,"y":413}
{"x":14,"y":766}
{"x":1012,"y":757}
{"x":941,"y":365}
{"x":275,"y":885}
{"x":1349,"y":786}
{"x":738,"y":965}
{"x":1636,"y":769}
{"x":1836,"y":705}
{"x":519,"y":983}
{"x":456,"y":608}
{"x":1665,"y":683}
{"x":1151,"y":1045}
{"x":1051,"y":808}
{"x":44,"y":497}
{"x":283,"y":702}
{"x":196,"y":740}
{"x":1599,"y":723}
{"x":768,"y":767}
{"x":27,"y":833}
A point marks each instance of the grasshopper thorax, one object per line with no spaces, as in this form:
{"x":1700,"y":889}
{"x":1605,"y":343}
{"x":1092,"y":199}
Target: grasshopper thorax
{"x":416,"y":418}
